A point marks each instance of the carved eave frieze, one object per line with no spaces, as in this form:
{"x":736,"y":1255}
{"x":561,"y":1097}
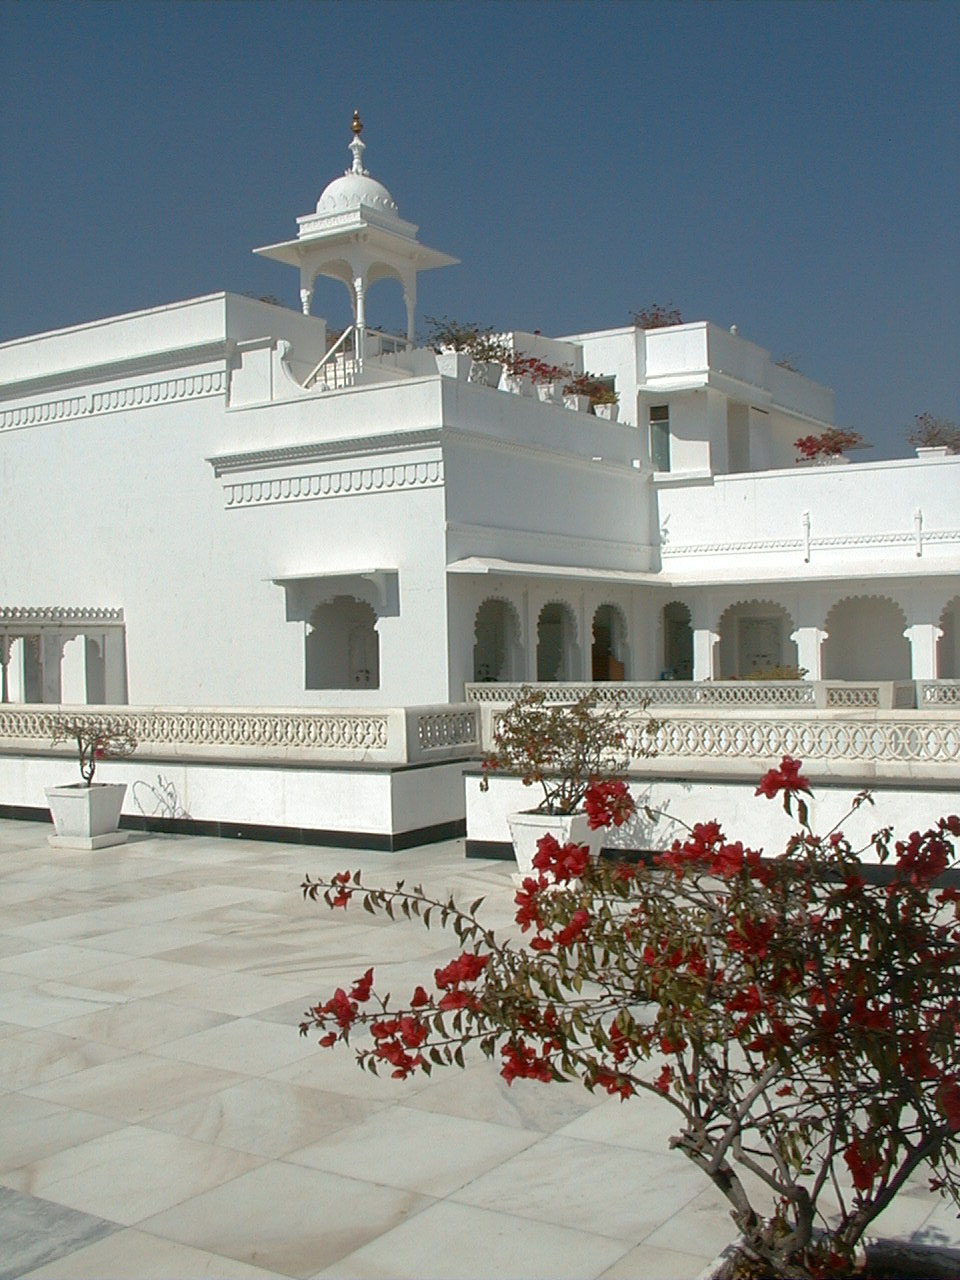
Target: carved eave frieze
{"x":386,"y":463}
{"x":37,"y":616}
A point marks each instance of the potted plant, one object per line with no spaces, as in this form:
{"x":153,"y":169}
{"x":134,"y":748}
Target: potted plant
{"x":829,"y":446}
{"x":934,"y":437}
{"x":801,"y":1022}
{"x":586,"y":390}
{"x":548,"y":379}
{"x":466,"y":351}
{"x":86,"y":814}
{"x":656,"y":316}
{"x":568,"y":750}
{"x":606,"y":403}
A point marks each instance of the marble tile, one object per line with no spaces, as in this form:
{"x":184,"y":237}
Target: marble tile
{"x":665,"y":1264}
{"x":644,"y":1124}
{"x":31,"y":1128}
{"x":537,"y":1184}
{"x":705,"y":1219}
{"x":240,"y":954}
{"x":451,"y":1241}
{"x":129,"y":1174}
{"x":242,"y":1044}
{"x":131,"y":1253}
{"x":134,"y":1087}
{"x":480,"y":1093}
{"x":417,"y":1150}
{"x":31,"y":1057}
{"x":139,"y":976}
{"x":38,"y":1004}
{"x":265,"y":1117}
{"x":246,"y":993}
{"x":141,"y":1024}
{"x":34,"y":1231}
{"x":63,"y":962}
{"x":336,"y":1071}
{"x":154,"y":939}
{"x":287,"y":1218}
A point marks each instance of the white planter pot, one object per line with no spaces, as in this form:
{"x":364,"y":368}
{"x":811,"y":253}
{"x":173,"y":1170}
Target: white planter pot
{"x":521,"y":386}
{"x":486,"y":372}
{"x":454,"y":364}
{"x":580,"y":404}
{"x":527,"y":828}
{"x":931,"y":451}
{"x":550,"y":392}
{"x":86,"y":817}
{"x":609,"y":411}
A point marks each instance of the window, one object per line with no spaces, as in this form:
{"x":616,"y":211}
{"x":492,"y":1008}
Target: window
{"x":660,"y":437}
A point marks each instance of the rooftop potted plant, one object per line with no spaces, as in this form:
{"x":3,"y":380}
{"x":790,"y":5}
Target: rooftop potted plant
{"x":588,"y":390}
{"x":466,"y":351}
{"x":829,"y":446}
{"x":86,"y":814}
{"x":568,"y":750}
{"x":934,"y":437}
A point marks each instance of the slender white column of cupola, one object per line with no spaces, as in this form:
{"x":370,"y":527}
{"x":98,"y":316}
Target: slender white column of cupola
{"x":357,"y":236}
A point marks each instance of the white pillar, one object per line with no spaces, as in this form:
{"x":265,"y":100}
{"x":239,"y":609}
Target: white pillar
{"x":410,"y":302}
{"x":114,"y":667}
{"x":51,"y":651}
{"x":809,"y":641}
{"x":73,"y":672}
{"x":923,"y":637}
{"x":306,"y":291}
{"x":705,"y":644}
{"x":358,"y":285}
{"x":15,"y":669}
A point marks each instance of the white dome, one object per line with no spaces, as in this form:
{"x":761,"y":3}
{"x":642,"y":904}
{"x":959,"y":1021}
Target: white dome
{"x":354,"y":189}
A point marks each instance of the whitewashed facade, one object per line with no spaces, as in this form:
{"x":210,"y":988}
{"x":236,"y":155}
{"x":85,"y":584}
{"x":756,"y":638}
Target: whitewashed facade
{"x":208,"y":504}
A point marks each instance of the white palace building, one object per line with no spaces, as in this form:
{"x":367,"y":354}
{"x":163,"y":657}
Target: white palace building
{"x":280,"y":554}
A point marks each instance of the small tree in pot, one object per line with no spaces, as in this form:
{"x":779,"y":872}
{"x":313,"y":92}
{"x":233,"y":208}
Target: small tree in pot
{"x":86,"y":814}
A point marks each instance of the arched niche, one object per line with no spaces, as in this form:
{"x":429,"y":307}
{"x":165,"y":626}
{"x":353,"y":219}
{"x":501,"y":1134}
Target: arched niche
{"x":677,"y":642}
{"x":608,"y":652}
{"x":342,"y":645}
{"x":755,"y":638}
{"x":496,"y":650}
{"x":948,"y":646}
{"x":865,"y":640}
{"x":557,"y":654}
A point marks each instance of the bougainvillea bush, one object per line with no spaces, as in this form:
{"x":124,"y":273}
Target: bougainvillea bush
{"x":801,"y":1022}
{"x":96,"y":739}
{"x":831,"y":443}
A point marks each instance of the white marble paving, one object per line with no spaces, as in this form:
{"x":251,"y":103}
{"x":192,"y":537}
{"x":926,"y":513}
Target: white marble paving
{"x":160,"y":1115}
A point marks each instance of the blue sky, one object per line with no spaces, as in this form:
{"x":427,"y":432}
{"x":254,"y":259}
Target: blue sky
{"x":789,"y":167}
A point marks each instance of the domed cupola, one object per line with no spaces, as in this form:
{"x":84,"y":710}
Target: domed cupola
{"x":356,"y":235}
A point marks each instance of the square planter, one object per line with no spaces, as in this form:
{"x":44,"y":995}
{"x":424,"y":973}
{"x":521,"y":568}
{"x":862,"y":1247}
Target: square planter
{"x":86,"y":817}
{"x":527,"y":828}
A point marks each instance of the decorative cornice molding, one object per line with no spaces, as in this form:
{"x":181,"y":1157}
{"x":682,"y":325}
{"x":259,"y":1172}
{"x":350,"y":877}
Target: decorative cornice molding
{"x":141,"y":395}
{"x":840,"y":542}
{"x":336,"y":484}
{"x":325,"y":450}
{"x":174,"y":358}
{"x":27,"y":615}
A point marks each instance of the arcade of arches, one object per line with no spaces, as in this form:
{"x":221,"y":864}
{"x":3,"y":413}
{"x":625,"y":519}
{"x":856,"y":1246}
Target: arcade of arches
{"x":858,"y":637}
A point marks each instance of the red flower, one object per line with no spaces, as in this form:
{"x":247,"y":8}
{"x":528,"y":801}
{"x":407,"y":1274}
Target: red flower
{"x":615,"y":1084}
{"x":863,"y":1166}
{"x":419,"y":998}
{"x":607,"y":802}
{"x":948,"y":1099}
{"x":326,"y":1041}
{"x":563,"y":862}
{"x":466,"y":968}
{"x":662,"y":1081}
{"x":786,"y":778}
{"x":458,"y":1000}
{"x":361,"y":990}
{"x":573,"y":930}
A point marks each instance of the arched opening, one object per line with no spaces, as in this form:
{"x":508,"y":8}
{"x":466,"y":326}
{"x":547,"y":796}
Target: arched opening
{"x":865,"y":640}
{"x":496,"y":652}
{"x":948,"y":646}
{"x":342,"y":646}
{"x":556,"y":643}
{"x":677,"y":642}
{"x":755,"y":641}
{"x":608,"y":653}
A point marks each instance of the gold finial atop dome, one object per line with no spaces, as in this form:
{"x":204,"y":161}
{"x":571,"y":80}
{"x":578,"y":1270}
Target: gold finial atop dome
{"x":357,"y":125}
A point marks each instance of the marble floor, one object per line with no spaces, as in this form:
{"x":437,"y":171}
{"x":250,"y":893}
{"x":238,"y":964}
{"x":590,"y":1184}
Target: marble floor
{"x":160,"y":1116}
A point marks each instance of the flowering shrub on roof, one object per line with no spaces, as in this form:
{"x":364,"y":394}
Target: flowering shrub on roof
{"x":802,"y":1022}
{"x":830,"y":443}
{"x":97,"y":738}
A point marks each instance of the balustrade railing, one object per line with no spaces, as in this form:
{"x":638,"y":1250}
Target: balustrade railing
{"x":390,"y":735}
{"x":343,"y":363}
{"x":825,"y":694}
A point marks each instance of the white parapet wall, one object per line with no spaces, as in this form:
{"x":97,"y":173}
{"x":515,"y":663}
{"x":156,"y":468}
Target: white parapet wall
{"x":707,"y":763}
{"x":382,"y":779}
